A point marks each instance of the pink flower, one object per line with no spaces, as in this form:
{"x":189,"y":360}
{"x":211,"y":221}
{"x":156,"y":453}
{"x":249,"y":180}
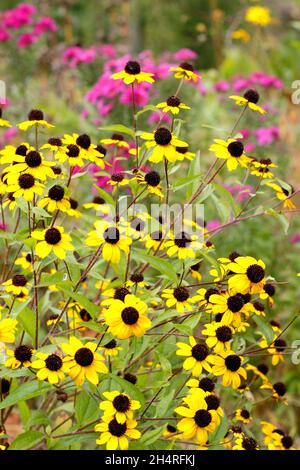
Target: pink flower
{"x":4,"y":35}
{"x":107,"y":50}
{"x":249,"y":147}
{"x":295,"y":238}
{"x":241,"y":192}
{"x":26,"y":39}
{"x":185,"y":55}
{"x":155,"y":117}
{"x":3,"y":227}
{"x":213,"y":225}
{"x":221,"y":86}
{"x":267,"y":135}
{"x":44,"y":24}
{"x":75,"y":55}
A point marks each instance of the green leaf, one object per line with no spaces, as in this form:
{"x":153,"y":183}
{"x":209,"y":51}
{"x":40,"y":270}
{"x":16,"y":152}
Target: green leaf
{"x":145,"y":109}
{"x":49,"y":279}
{"x":118,"y":128}
{"x":218,"y":435}
{"x":226,"y":197}
{"x":38,"y":418}
{"x":82,"y":299}
{"x":107,"y":197}
{"x":161,"y":265}
{"x":27,"y":320}
{"x":265,"y":328}
{"x":129,"y":388}
{"x":24,"y":392}
{"x":151,"y":436}
{"x":86,"y":409}
{"x":184,"y":181}
{"x":26,"y":440}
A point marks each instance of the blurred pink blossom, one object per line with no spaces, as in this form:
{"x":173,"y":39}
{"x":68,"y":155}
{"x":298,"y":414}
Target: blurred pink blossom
{"x":185,"y":55}
{"x":295,"y":238}
{"x":240,"y":192}
{"x":44,"y":24}
{"x":213,"y":225}
{"x":267,"y":135}
{"x":26,"y":39}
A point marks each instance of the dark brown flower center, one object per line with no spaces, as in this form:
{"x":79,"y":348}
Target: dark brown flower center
{"x":36,"y":115}
{"x":152,"y":178}
{"x":213,"y":402}
{"x":186,"y":66}
{"x":245,"y":414}
{"x":249,"y":444}
{"x":33,"y":159}
{"x":181,"y":294}
{"x":162,"y":136}
{"x":132,"y":67}
{"x":23,"y":353}
{"x":202,"y":418}
{"x":224,"y":334}
{"x":130,"y":315}
{"x":120,"y":293}
{"x":54,"y":362}
{"x":53,"y":236}
{"x":235,"y":303}
{"x":111,"y":345}
{"x":206,"y":384}
{"x":26,"y":181}
{"x":111,"y":235}
{"x":255,"y":273}
{"x":235,"y":149}
{"x":182,"y":240}
{"x":84,"y":315}
{"x":73,"y":151}
{"x":117,"y":177}
{"x":121,"y":403}
{"x":19,"y":280}
{"x":200,"y":352}
{"x":233,"y":362}
{"x":83,"y":141}
{"x":173,"y":101}
{"x":252,"y":96}
{"x":117,"y":429}
{"x":84,"y":357}
{"x":56,"y":193}
{"x":136,"y":278}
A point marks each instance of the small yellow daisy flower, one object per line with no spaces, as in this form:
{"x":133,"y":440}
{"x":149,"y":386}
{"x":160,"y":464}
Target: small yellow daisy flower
{"x":52,"y":240}
{"x":132,"y":73}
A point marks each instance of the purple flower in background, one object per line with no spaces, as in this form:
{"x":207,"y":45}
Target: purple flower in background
{"x":185,"y":55}
{"x":295,"y":238}
{"x":240,"y":192}
{"x":222,"y":86}
{"x":213,"y":225}
{"x":267,"y":135}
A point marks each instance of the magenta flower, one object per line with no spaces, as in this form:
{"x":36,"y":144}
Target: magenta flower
{"x":222,"y":86}
{"x":185,"y":55}
{"x":26,"y":39}
{"x":45,"y":24}
{"x":295,"y":238}
{"x":267,"y":135}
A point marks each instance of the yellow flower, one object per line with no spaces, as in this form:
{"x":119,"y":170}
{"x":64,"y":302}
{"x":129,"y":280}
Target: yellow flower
{"x":283,"y":195}
{"x":249,"y":275}
{"x":25,"y":261}
{"x":171,"y":432}
{"x":55,"y":200}
{"x":229,"y":366}
{"x":115,"y":434}
{"x":230,"y":305}
{"x":82,"y":361}
{"x":119,"y":405}
{"x":155,"y":240}
{"x":184,"y":153}
{"x":111,"y":238}
{"x":195,"y":271}
{"x":271,"y":433}
{"x":185,"y":71}
{"x":127,"y":318}
{"x":111,"y":348}
{"x":51,"y":367}
{"x":117,"y":179}
{"x":183,"y":245}
{"x":198,"y":421}
{"x":35,"y":118}
{"x":34,"y":164}
{"x":163,"y":144}
{"x":241,"y":34}
{"x":259,"y":371}
{"x":258,"y":15}
{"x":20,"y":357}
{"x":72,"y":154}
{"x":243,"y":415}
{"x":198,"y":357}
{"x":52,"y":240}
{"x":4,"y":122}
{"x":245,"y":443}
{"x":178,"y":298}
{"x":232,"y":151}
{"x":172,"y":105}
{"x":17,"y":285}
{"x":87,"y":150}
{"x":219,"y":336}
{"x":152,"y":180}
{"x":116,"y":140}
{"x":23,"y":185}
{"x":8,"y":328}
{"x":99,"y":204}
{"x":249,"y":99}
{"x":132,"y":73}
